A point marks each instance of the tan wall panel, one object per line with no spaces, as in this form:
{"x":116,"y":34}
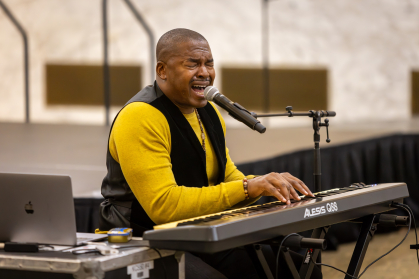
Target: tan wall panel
{"x":83,"y":84}
{"x":415,"y":92}
{"x":304,"y":89}
{"x":243,"y":86}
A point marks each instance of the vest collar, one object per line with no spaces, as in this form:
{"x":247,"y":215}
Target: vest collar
{"x":183,"y":123}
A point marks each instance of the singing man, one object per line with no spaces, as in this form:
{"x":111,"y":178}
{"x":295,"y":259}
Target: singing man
{"x":167,"y":157}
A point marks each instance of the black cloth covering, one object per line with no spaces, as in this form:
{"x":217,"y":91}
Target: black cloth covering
{"x":393,"y":158}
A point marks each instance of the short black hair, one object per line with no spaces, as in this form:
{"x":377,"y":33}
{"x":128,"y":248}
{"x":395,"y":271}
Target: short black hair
{"x":169,"y":40}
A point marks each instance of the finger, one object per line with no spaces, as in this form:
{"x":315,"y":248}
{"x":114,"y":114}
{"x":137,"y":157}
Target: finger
{"x":297,"y":186}
{"x":305,"y":190}
{"x":294,"y":194}
{"x":274,"y":192}
{"x":291,"y":184}
{"x":281,"y":184}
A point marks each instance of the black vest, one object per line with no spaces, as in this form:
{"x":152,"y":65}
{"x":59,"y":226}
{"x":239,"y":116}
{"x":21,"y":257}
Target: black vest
{"x":121,"y":208}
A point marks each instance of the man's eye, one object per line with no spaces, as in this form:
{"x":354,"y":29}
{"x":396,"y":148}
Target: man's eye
{"x":191,"y":65}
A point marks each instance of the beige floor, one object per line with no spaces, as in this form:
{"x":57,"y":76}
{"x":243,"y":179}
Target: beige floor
{"x":399,"y":264}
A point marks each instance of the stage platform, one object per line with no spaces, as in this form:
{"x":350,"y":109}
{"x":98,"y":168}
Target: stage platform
{"x":79,"y":150}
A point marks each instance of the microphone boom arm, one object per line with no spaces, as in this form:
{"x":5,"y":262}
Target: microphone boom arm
{"x":317,"y":123}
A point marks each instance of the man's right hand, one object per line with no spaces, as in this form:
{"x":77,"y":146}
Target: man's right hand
{"x":280,"y":185}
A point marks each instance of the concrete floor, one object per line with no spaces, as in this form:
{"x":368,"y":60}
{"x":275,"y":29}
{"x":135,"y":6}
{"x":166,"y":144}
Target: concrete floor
{"x":399,"y":264}
{"x":79,"y":150}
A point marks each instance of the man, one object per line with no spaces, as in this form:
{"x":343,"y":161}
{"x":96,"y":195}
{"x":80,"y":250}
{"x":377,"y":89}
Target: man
{"x":167,"y":159}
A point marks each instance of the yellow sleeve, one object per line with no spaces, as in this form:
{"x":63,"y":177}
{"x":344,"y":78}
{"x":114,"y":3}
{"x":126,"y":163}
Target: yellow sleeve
{"x":140,"y":142}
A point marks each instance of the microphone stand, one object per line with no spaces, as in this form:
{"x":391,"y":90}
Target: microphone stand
{"x":317,"y":123}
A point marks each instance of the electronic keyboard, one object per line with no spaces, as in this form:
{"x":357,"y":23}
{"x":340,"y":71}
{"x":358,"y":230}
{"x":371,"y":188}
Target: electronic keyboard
{"x":228,"y":229}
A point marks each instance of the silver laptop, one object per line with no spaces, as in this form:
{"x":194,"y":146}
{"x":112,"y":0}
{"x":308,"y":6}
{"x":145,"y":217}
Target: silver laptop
{"x":39,"y":208}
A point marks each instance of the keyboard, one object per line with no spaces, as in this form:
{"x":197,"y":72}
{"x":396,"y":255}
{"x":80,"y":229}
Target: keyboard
{"x":233,"y":228}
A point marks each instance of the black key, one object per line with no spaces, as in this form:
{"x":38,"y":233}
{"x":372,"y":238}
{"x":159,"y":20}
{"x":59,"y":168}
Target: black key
{"x":248,"y":211}
{"x":270,"y":205}
{"x":326,"y":194}
{"x":342,"y":191}
{"x":277,"y":203}
{"x":188,"y":223}
{"x":252,"y":209}
{"x":216,"y":217}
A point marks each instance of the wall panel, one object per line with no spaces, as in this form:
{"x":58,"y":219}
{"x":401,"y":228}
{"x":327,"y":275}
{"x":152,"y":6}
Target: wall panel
{"x":83,"y":84}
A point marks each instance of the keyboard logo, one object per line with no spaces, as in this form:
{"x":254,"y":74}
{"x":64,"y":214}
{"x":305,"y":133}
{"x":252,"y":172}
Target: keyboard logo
{"x":329,"y":207}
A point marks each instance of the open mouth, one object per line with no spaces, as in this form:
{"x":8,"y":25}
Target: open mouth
{"x":199,"y":88}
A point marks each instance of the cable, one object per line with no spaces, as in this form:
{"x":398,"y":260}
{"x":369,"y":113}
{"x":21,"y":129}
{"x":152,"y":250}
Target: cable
{"x":311,"y":259}
{"x":379,"y":258}
{"x":410,"y":224}
{"x":162,"y":261}
{"x":47,"y":246}
{"x":414,"y":225}
{"x":279,"y":251}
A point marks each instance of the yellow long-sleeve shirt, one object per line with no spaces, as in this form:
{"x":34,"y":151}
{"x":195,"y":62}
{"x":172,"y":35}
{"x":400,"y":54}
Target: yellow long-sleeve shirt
{"x":140,"y":142}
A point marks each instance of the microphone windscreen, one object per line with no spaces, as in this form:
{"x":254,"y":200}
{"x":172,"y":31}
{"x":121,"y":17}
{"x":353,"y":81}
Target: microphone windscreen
{"x":210,"y":92}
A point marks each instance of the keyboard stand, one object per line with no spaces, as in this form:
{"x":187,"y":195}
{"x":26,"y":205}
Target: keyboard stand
{"x":264,"y":256}
{"x":368,"y":229}
{"x":312,"y":255}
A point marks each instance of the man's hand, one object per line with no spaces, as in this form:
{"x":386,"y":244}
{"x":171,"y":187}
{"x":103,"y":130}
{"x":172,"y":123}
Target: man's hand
{"x":279,"y":185}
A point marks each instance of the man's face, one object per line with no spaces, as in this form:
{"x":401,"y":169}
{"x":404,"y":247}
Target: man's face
{"x":187,"y":72}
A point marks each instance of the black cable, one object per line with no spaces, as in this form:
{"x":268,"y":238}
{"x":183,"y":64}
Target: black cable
{"x":279,"y":251}
{"x":162,"y":261}
{"x":379,"y":258}
{"x":414,"y":226}
{"x":333,"y":268}
{"x":410,"y":224}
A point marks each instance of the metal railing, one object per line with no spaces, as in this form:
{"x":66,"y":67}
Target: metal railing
{"x":106,"y":72}
{"x":26,"y":56}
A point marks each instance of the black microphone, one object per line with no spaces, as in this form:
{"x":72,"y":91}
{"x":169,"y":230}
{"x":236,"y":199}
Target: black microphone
{"x":238,"y":112}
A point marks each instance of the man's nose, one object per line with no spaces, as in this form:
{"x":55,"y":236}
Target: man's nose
{"x":202,"y":72}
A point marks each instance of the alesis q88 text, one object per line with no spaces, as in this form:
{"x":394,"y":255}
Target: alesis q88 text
{"x":233,"y":228}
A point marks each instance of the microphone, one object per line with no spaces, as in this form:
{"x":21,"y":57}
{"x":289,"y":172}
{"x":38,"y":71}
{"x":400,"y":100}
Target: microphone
{"x":238,"y":112}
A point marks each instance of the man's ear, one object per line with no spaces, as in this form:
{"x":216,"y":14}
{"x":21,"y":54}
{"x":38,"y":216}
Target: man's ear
{"x":161,"y":70}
